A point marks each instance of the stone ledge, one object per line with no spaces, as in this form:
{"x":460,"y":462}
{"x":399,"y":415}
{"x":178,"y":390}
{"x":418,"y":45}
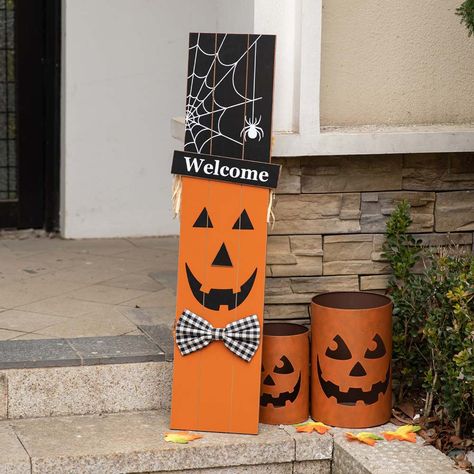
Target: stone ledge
{"x":387,"y":457}
{"x":133,"y":443}
{"x":78,"y":351}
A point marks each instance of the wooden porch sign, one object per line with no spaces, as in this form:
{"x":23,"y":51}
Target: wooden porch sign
{"x":226,"y":180}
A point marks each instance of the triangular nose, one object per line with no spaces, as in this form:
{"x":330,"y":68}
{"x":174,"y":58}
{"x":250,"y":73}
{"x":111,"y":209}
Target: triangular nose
{"x":268,"y":380}
{"x":358,"y":370}
{"x":222,"y":258}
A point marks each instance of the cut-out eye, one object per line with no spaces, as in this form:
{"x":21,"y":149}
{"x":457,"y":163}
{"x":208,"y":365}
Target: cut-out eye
{"x":203,"y":220}
{"x":285,"y":368}
{"x":341,"y":352}
{"x":243,"y":222}
{"x":379,"y":350}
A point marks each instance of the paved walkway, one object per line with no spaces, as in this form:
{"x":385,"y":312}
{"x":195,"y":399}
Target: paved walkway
{"x":53,"y":288}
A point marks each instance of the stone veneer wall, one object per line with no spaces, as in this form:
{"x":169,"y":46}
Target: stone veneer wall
{"x":330,"y":220}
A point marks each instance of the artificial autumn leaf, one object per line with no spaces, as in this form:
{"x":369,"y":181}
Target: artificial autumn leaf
{"x":403,"y":433}
{"x":311,"y":426}
{"x":364,"y":437}
{"x":181,"y":437}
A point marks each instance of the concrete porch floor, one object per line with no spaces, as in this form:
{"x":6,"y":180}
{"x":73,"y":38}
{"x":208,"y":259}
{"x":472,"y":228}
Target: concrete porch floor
{"x":54,"y":288}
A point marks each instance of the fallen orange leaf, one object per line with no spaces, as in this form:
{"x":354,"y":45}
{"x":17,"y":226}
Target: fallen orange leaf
{"x":311,"y":426}
{"x":181,"y":437}
{"x":403,"y":433}
{"x":364,"y":437}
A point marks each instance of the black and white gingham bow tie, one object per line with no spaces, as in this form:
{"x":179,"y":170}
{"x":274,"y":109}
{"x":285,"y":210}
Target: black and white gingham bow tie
{"x":242,"y":337}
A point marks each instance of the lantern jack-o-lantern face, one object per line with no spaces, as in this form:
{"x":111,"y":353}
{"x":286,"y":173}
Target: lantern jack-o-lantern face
{"x":284,"y":390}
{"x":351,"y":359}
{"x":281,"y":376}
{"x":339,"y":351}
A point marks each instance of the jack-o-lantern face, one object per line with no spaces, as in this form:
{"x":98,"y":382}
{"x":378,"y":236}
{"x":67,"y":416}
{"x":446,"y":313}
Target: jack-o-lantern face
{"x":226,"y":231}
{"x":338,"y":350}
{"x":283,"y":374}
{"x":217,"y":297}
{"x":351,"y":357}
{"x":284,"y":392}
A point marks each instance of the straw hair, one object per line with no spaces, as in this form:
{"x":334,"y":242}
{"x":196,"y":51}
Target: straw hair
{"x":176,"y":199}
{"x":176,"y":194}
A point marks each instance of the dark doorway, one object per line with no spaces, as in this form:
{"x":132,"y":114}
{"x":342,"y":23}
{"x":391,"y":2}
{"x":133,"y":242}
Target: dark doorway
{"x":29,"y":113}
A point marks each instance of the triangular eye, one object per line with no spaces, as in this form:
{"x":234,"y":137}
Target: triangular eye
{"x":203,"y":220}
{"x":379,"y":350}
{"x":243,"y":222}
{"x":341,"y":352}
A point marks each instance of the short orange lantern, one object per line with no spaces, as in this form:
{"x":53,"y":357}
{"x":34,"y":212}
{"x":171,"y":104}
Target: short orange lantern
{"x":284,"y":394}
{"x":351,"y":359}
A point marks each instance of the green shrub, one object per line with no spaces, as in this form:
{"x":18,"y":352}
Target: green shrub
{"x":433,"y":326}
{"x":466,"y":12}
{"x":449,"y":332}
{"x":408,"y":293}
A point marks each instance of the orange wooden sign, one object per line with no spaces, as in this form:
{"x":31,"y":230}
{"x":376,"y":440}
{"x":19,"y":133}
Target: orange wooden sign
{"x":221,"y":266}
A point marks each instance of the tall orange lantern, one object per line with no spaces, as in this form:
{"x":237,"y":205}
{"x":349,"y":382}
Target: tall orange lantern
{"x":284,"y":393}
{"x":351,"y":359}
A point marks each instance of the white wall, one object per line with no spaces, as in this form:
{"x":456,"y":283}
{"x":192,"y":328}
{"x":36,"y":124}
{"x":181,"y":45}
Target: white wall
{"x":234,"y":16}
{"x":283,"y":18}
{"x":402,"y":62}
{"x":124,"y":72}
{"x":273,"y":17}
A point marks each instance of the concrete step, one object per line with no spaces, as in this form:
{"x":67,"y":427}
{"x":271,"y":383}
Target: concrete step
{"x":385,"y":457}
{"x":133,"y":443}
{"x":88,"y":375}
{"x":91,"y":389}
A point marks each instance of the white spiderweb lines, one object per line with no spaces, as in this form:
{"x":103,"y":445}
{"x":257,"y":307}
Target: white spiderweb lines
{"x":201,"y":102}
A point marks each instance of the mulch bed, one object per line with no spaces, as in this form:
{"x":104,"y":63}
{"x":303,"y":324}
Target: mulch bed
{"x":435,"y":431}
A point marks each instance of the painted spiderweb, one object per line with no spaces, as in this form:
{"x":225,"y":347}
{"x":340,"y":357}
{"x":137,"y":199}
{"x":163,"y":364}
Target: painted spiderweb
{"x":221,"y":98}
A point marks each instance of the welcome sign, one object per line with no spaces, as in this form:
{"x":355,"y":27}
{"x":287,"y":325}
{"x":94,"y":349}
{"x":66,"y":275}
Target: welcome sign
{"x":225,"y":179}
{"x":252,"y":173}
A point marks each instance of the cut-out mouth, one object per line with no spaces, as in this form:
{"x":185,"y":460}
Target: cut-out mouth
{"x":219,"y":297}
{"x":281,"y":400}
{"x":353,"y":395}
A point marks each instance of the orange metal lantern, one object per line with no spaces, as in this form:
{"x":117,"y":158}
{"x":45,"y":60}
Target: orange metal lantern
{"x":351,"y":356}
{"x":284,"y":394}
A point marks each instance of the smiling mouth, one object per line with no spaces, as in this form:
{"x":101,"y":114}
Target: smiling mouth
{"x":281,"y":400}
{"x":353,"y":395}
{"x":219,"y":297}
